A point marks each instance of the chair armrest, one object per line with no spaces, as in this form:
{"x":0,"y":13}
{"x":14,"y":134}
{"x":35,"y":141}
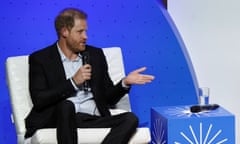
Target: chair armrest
{"x":117,"y":111}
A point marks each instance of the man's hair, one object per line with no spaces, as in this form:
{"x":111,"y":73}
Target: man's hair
{"x":66,"y":18}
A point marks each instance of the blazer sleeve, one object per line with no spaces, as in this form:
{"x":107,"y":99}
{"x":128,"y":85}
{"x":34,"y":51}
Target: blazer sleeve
{"x":45,"y":89}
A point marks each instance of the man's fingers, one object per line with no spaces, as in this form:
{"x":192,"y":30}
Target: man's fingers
{"x":85,"y":72}
{"x":143,"y":79}
{"x":136,"y":78}
{"x":87,"y":66}
{"x":146,"y":77}
{"x":140,"y":70}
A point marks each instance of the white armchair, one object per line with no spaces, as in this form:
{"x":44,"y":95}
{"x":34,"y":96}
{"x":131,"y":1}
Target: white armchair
{"x":17,"y":79}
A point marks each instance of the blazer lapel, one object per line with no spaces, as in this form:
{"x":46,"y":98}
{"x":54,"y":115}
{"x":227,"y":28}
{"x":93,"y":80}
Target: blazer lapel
{"x":55,"y":64}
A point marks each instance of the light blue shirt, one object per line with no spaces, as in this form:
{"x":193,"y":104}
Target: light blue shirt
{"x":83,"y":101}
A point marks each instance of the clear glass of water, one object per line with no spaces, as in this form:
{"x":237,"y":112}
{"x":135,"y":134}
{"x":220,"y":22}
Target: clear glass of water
{"x":204,"y":95}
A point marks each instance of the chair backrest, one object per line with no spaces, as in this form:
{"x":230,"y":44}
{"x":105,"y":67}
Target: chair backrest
{"x":17,"y":78}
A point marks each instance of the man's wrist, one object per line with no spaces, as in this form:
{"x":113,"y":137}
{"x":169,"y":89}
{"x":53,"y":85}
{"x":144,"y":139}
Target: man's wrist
{"x":76,"y":87}
{"x":124,"y":83}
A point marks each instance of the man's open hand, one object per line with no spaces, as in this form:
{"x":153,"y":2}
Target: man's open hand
{"x":135,"y":77}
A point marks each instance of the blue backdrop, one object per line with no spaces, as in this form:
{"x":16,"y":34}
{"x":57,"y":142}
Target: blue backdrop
{"x":143,"y":29}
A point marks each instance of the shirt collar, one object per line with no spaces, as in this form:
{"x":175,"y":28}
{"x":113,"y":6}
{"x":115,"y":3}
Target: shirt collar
{"x":63,"y":57}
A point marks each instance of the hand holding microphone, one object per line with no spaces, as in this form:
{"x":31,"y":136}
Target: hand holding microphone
{"x":84,"y":73}
{"x":85,"y":62}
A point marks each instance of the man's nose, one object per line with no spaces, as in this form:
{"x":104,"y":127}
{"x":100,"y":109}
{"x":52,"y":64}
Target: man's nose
{"x":85,"y":36}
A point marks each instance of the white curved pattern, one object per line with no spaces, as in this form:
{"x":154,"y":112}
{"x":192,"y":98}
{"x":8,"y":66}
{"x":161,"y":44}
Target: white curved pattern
{"x":158,"y":133}
{"x":204,"y":137}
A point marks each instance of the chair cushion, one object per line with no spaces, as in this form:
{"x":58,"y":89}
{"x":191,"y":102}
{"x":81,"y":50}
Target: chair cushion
{"x":89,"y":136}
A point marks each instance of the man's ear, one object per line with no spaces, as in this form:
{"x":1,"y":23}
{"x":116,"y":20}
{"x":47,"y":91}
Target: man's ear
{"x":64,"y":32}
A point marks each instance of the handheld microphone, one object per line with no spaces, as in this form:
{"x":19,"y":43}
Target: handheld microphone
{"x":201,"y":108}
{"x":85,"y":60}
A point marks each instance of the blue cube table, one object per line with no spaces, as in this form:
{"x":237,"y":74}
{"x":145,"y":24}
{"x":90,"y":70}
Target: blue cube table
{"x":177,"y":125}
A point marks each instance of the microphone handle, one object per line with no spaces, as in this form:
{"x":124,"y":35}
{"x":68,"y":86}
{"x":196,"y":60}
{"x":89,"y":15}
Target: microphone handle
{"x":85,"y":60}
{"x":86,"y":87}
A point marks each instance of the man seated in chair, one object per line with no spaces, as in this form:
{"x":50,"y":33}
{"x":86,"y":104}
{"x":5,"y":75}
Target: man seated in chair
{"x":68,"y":94}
